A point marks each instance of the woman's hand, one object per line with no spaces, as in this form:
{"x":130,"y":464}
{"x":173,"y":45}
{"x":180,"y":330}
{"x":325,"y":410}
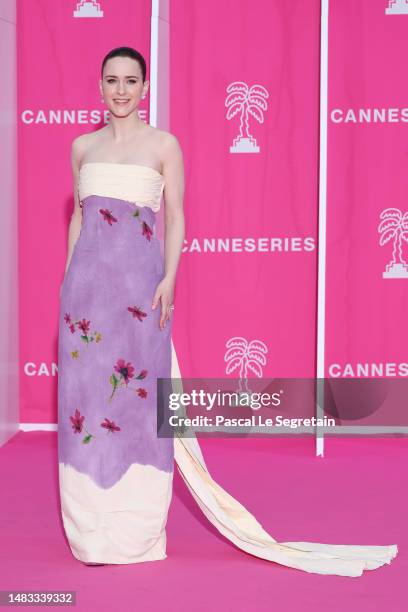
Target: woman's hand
{"x":164,"y":292}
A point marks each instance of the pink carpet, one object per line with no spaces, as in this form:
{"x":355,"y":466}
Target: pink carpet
{"x":357,"y":494}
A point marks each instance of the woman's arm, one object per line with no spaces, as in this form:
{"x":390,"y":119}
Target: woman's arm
{"x":76,"y":217}
{"x":173,"y":171}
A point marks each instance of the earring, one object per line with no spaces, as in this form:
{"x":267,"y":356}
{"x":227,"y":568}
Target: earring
{"x":103,"y":100}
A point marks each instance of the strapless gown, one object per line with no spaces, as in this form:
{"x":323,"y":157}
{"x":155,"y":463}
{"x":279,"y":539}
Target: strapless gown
{"x":115,"y":473}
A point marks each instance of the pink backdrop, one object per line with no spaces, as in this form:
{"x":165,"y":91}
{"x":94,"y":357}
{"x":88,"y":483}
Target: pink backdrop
{"x":259,"y":281}
{"x":244,"y":81}
{"x":367,"y":174}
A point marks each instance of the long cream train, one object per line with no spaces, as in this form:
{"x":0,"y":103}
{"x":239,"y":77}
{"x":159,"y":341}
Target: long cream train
{"x":237,"y":524}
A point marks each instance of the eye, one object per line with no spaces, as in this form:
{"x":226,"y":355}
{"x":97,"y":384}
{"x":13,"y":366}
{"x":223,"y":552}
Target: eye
{"x":113,"y":80}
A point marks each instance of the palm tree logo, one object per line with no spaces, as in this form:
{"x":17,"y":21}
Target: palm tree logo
{"x":88,"y":8}
{"x":397,"y":7}
{"x":247,"y":356}
{"x":394,"y":225}
{"x":246,"y":101}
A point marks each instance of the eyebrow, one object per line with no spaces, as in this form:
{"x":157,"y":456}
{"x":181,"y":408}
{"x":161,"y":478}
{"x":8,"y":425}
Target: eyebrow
{"x":130,"y":76}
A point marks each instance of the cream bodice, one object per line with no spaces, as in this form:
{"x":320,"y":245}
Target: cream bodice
{"x":131,"y":182}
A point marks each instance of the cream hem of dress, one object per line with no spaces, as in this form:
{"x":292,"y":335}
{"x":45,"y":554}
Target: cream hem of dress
{"x":122,"y":524}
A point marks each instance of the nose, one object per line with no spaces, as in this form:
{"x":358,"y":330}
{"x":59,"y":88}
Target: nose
{"x":121,"y":87}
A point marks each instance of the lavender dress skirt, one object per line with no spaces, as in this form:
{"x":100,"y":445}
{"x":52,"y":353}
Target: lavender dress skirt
{"x":115,"y":473}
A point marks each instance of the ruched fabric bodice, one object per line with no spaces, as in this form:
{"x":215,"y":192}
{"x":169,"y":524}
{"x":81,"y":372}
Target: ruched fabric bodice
{"x":131,"y":182}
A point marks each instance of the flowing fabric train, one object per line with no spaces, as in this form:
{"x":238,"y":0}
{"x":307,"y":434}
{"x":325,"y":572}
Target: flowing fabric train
{"x":237,"y":524}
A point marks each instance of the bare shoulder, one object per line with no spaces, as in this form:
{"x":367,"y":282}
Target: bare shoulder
{"x":169,"y":145}
{"x":164,"y":138}
{"x":80,"y":145}
{"x":169,"y":140}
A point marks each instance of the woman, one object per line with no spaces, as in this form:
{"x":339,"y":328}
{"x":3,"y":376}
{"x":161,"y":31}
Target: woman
{"x":115,"y":341}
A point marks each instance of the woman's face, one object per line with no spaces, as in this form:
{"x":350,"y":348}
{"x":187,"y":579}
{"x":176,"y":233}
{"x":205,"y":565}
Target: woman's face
{"x":122,"y":85}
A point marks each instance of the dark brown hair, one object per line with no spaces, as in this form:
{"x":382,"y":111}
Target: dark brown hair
{"x":126,"y":52}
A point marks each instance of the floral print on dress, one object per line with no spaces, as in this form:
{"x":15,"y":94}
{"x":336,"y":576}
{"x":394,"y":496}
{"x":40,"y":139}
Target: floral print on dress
{"x":123,"y":372}
{"x":110,"y":426}
{"x":77,"y":421}
{"x":78,"y":425}
{"x":108,"y":216}
{"x":106,"y":300}
{"x":137,"y":312}
{"x":83,"y":325}
{"x":124,"y":369}
{"x":146,"y":229}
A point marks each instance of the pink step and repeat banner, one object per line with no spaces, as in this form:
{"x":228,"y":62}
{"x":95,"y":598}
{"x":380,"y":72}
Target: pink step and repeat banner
{"x":244,"y":103}
{"x":61,"y":46}
{"x":367,"y":230}
{"x":367,"y":270}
